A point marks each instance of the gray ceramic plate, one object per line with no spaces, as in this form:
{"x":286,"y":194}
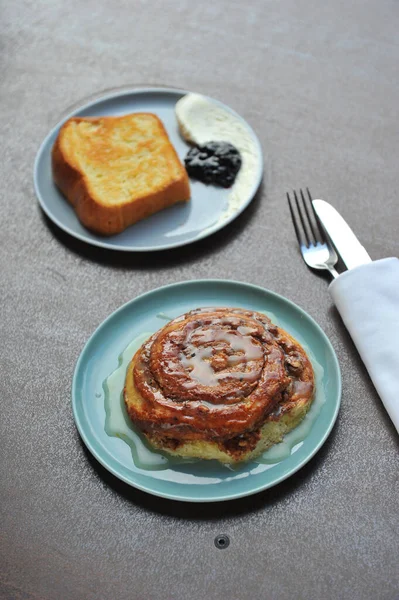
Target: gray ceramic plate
{"x":176,"y":226}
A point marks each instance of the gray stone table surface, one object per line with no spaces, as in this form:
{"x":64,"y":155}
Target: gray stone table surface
{"x":319,"y":83}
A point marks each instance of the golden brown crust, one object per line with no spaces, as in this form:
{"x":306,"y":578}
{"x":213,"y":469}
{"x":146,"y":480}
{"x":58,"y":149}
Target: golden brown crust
{"x":215,"y":382}
{"x":92,"y":211}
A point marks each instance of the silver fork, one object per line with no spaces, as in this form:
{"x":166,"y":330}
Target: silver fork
{"x":316,"y":250}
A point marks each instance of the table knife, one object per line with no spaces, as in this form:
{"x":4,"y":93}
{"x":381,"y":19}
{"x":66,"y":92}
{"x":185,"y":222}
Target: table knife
{"x":346,"y":243}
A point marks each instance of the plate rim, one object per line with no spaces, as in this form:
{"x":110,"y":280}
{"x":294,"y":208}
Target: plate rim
{"x":234,"y":496}
{"x":206,"y":232}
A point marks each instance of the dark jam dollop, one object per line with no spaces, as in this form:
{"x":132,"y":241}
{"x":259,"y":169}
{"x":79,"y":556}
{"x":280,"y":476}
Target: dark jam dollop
{"x":214,"y":162}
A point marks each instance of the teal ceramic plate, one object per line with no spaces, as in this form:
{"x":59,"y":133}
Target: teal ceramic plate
{"x":209,"y":209}
{"x":201,"y":481}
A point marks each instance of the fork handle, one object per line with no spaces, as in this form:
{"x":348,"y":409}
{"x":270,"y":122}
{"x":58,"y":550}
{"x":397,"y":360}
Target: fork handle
{"x":333,"y":272}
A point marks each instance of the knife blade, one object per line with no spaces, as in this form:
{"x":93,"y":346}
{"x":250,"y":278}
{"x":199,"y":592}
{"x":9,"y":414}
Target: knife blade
{"x":346,"y":243}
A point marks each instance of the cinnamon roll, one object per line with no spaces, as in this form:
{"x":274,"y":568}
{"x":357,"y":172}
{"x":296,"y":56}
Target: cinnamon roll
{"x":218,"y":383}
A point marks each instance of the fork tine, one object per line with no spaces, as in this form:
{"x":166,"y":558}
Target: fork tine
{"x":319,"y":229}
{"x":294,"y":222}
{"x":302,"y":220}
{"x":298,"y":232}
{"x":305,"y":205}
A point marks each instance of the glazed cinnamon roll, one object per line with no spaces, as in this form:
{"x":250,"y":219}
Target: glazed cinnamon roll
{"x":218,"y":383}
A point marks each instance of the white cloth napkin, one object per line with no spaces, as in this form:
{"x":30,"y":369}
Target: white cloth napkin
{"x":367,"y":298}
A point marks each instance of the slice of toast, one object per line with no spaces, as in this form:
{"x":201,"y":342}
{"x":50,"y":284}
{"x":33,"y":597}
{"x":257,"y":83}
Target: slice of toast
{"x":116,"y":171}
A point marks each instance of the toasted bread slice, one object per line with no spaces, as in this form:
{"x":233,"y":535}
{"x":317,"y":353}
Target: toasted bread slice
{"x":116,"y":171}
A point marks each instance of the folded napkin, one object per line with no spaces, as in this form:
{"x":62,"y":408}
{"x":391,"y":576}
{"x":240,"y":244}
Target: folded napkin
{"x":367,"y":298}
